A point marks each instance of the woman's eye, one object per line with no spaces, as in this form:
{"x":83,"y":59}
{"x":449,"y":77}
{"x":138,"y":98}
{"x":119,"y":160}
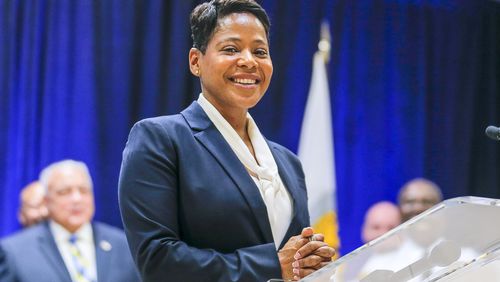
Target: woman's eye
{"x":261,"y":53}
{"x":230,"y":50}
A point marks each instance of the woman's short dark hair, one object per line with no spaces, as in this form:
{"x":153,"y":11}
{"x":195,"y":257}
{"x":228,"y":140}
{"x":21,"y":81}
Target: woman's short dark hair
{"x":205,"y":16}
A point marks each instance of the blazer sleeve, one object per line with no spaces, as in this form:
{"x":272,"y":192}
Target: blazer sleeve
{"x":148,"y":190}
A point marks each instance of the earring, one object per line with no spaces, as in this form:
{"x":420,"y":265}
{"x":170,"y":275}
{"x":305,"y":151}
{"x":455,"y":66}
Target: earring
{"x":197,"y":72}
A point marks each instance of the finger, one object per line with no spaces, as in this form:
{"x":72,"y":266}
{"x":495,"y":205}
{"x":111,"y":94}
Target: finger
{"x":293,"y":242}
{"x":301,"y":242}
{"x":327,"y":259}
{"x":308,"y":249}
{"x":326,"y":252}
{"x":307,"y":232}
{"x":302,"y":272}
{"x":308,"y":262}
{"x":318,"y":237}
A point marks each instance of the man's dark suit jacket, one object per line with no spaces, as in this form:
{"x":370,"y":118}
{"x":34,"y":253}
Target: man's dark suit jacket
{"x":32,"y":255}
{"x":190,"y":209}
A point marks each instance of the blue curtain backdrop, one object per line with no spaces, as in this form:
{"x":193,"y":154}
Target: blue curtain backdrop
{"x":413,"y":85}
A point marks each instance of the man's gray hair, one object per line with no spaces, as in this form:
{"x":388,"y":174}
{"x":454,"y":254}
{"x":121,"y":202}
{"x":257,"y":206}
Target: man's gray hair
{"x":64,"y":164}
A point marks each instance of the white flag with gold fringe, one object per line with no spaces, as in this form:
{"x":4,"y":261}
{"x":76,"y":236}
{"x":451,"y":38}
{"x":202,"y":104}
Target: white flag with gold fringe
{"x":316,"y":149}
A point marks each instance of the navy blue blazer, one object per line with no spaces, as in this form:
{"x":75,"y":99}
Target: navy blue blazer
{"x":32,"y":255}
{"x":190,"y":209}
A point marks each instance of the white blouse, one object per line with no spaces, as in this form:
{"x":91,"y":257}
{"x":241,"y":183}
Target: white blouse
{"x":262,"y":169}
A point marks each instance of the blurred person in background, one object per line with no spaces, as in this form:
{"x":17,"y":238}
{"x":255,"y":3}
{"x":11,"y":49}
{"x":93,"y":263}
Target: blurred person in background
{"x":380,"y":218}
{"x":416,"y":196}
{"x":68,"y":246}
{"x":32,"y":208}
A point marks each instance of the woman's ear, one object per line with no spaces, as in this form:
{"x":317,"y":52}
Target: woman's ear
{"x":194,"y":59}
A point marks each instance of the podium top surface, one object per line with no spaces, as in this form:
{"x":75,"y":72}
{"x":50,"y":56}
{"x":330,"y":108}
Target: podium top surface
{"x":455,"y":238}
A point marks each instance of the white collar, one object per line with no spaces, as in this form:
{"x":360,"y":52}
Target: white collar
{"x":266,"y":166}
{"x":61,"y":234}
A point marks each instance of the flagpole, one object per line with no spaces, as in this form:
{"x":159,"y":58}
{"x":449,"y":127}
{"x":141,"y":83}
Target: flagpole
{"x":324,"y":44}
{"x":316,"y":148}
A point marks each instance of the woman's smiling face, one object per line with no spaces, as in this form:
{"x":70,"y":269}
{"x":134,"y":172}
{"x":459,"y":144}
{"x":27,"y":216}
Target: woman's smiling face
{"x":236,"y":69}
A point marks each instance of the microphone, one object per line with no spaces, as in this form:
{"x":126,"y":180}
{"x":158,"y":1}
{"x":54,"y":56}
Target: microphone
{"x":493,"y":132}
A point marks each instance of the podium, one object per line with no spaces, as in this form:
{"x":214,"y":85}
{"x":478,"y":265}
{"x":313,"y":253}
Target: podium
{"x":456,"y":240}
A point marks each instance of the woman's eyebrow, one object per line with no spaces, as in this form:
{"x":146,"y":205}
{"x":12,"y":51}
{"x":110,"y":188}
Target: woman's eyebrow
{"x":229,"y":39}
{"x":236,"y":39}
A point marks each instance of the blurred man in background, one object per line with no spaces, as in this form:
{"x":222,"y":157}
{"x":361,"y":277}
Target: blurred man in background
{"x":418,"y":195}
{"x":32,"y":208}
{"x":380,"y":218}
{"x":68,"y":246}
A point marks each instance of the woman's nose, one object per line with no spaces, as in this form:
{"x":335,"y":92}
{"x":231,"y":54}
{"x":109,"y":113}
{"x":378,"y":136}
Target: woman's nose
{"x":247,"y":59}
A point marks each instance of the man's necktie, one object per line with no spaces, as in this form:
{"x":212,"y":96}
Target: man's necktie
{"x":79,"y":262}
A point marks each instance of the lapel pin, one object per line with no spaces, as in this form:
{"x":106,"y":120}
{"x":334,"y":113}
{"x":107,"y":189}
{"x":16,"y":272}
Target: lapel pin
{"x":105,"y":245}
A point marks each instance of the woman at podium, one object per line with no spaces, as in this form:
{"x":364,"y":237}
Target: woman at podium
{"x":204,"y":196}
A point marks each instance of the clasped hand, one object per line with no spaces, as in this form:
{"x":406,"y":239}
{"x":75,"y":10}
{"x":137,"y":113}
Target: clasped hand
{"x":303,"y":254}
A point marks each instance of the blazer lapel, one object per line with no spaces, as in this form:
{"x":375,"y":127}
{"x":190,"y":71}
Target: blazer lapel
{"x":49,"y":249}
{"x":214,"y":142}
{"x":102,"y":253}
{"x":291,"y":186}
